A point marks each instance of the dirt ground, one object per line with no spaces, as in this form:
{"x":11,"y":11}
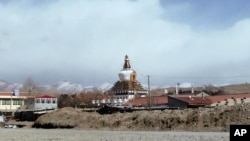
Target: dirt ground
{"x":98,"y":135}
{"x":202,"y":124}
{"x":200,"y":120}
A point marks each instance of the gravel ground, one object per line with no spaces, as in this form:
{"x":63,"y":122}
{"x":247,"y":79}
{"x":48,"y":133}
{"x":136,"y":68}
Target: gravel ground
{"x":97,"y":135}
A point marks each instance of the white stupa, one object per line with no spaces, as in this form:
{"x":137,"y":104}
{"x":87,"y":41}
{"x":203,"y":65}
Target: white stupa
{"x":127,"y":87}
{"x":127,"y":74}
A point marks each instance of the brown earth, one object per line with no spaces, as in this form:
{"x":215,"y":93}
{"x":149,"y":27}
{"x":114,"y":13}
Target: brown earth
{"x":202,"y":119}
{"x":104,"y":135}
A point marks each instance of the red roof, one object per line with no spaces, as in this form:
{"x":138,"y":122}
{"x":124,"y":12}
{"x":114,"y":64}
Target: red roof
{"x":12,"y":94}
{"x":155,"y":100}
{"x":195,"y":100}
{"x":207,"y":100}
{"x":45,"y":96}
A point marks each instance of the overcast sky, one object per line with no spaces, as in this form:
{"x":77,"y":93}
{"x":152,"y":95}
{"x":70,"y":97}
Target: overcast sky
{"x":85,"y":41}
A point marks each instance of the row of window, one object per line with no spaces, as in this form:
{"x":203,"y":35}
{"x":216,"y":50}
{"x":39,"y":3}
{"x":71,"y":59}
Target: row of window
{"x":122,"y":97}
{"x":47,"y":101}
{"x":8,"y":102}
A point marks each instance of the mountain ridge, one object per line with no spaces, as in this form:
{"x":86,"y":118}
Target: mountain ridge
{"x":73,"y":88}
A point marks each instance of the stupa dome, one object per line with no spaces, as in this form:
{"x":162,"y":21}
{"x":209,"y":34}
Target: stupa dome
{"x":126,"y":74}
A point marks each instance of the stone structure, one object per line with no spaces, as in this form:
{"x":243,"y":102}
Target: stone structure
{"x":127,"y":87}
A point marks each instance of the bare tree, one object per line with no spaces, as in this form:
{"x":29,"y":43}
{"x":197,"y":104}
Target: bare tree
{"x":30,"y":86}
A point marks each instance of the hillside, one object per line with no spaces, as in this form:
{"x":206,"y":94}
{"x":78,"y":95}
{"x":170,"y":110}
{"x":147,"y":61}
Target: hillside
{"x":210,"y":89}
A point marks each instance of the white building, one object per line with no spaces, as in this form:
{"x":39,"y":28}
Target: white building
{"x":45,"y":102}
{"x":11,"y":101}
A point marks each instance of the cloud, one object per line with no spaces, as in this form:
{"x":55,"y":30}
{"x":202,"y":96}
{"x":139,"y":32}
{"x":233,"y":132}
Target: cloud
{"x":86,"y":41}
{"x":210,"y":14}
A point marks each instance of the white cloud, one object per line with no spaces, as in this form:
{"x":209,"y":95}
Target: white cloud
{"x":86,"y":41}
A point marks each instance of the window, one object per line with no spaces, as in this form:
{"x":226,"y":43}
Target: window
{"x":17,"y":102}
{"x":20,"y":102}
{"x":5,"y":102}
{"x":37,"y":100}
{"x":48,"y":101}
{"x":42,"y":101}
{"x":54,"y":101}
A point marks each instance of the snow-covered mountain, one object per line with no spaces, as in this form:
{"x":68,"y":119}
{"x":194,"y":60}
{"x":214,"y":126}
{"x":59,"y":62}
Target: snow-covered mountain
{"x":59,"y":87}
{"x":105,"y":86}
{"x":5,"y":86}
{"x":65,"y":86}
{"x":72,"y":88}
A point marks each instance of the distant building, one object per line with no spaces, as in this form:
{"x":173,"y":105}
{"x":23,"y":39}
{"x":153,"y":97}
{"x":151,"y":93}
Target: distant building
{"x":229,"y":100}
{"x":125,"y":89}
{"x":144,"y":101}
{"x":43,"y":102}
{"x":101,"y":100}
{"x":11,"y":101}
{"x":187,"y":101}
{"x":46,"y":102}
{"x":204,"y":100}
{"x":36,"y":106}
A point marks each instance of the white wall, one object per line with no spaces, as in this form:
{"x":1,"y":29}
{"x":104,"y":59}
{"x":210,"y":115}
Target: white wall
{"x":45,"y":103}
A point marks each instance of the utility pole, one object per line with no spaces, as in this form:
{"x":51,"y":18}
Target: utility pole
{"x":149,"y":92}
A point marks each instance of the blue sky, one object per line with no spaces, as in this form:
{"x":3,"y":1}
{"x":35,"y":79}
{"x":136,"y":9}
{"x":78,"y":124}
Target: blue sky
{"x":82,"y":41}
{"x":207,"y":13}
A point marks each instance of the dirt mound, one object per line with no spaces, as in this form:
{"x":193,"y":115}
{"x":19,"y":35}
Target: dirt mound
{"x":202,"y":119}
{"x":62,"y":118}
